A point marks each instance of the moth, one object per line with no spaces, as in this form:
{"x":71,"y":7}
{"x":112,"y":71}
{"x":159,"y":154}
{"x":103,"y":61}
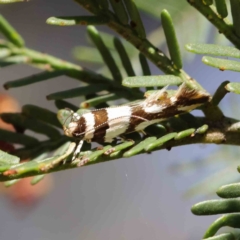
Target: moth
{"x":106,"y":124}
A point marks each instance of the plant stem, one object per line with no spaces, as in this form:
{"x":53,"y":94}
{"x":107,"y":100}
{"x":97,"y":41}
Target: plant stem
{"x":225,"y":132}
{"x":143,"y":45}
{"x":223,"y":25}
{"x":72,"y":70}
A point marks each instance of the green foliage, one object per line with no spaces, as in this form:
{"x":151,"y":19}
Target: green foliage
{"x":81,"y":20}
{"x":119,"y":81}
{"x":230,"y":206}
{"x":171,"y":38}
{"x":150,"y":81}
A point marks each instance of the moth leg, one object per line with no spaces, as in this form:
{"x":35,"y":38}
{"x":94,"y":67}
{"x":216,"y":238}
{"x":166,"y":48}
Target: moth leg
{"x":143,"y":132}
{"x":124,"y":139}
{"x":99,"y":147}
{"x":77,"y":150}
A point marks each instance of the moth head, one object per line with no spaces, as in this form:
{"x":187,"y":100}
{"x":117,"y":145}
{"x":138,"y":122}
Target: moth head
{"x":72,"y":126}
{"x":70,"y":129}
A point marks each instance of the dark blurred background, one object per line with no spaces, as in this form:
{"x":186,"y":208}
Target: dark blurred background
{"x":138,"y":198}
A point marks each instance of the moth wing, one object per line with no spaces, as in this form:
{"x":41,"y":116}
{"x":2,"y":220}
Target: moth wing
{"x":186,"y":92}
{"x":115,"y":120}
{"x":158,"y":95}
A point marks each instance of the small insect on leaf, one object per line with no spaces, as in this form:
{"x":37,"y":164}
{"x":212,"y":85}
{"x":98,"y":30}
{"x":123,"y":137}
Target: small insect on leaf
{"x":107,"y":124}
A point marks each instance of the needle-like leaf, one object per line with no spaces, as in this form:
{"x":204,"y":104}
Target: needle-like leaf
{"x":151,"y":81}
{"x":77,"y":20}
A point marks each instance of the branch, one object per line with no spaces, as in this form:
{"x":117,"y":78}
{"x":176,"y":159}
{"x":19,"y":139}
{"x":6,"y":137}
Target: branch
{"x":222,"y":132}
{"x":142,"y":44}
{"x":50,"y":63}
{"x":222,"y":24}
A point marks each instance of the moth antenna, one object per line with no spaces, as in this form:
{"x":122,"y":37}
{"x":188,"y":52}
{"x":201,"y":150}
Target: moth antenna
{"x":144,"y":119}
{"x":71,"y":114}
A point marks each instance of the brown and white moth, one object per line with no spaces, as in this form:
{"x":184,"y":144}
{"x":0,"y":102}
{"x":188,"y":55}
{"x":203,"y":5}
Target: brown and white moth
{"x":106,"y":124}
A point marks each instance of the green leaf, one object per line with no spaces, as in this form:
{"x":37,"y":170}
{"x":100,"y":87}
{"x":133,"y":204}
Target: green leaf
{"x":160,"y":141}
{"x":64,"y":104}
{"x":10,"y":33}
{"x":76,"y":92}
{"x":35,"y":125}
{"x":229,"y":191}
{"x":62,"y":149}
{"x":220,"y":93}
{"x":171,"y":38}
{"x":222,"y":8}
{"x":120,"y":11}
{"x":6,"y":158}
{"x":11,"y":1}
{"x":185,"y":133}
{"x":4,"y":52}
{"x":158,"y":129}
{"x":219,"y":206}
{"x":207,"y":2}
{"x":212,"y":49}
{"x":100,"y":99}
{"x":40,"y":157}
{"x":235,"y":9}
{"x":77,"y":20}
{"x":122,"y":146}
{"x":224,"y":236}
{"x":233,"y":87}
{"x":31,"y":167}
{"x":151,"y":81}
{"x":33,"y":152}
{"x":35,"y":57}
{"x":4,"y":167}
{"x":139,"y":147}
{"x":11,"y":182}
{"x":144,"y":64}
{"x":108,"y":41}
{"x":18,"y":138}
{"x":93,"y":156}
{"x":42,"y":114}
{"x":37,"y":179}
{"x":136,"y":21}
{"x":203,"y":129}
{"x":33,"y":79}
{"x":105,"y":53}
{"x":13,"y":60}
{"x":222,"y":64}
{"x":124,"y":57}
{"x":230,"y":220}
